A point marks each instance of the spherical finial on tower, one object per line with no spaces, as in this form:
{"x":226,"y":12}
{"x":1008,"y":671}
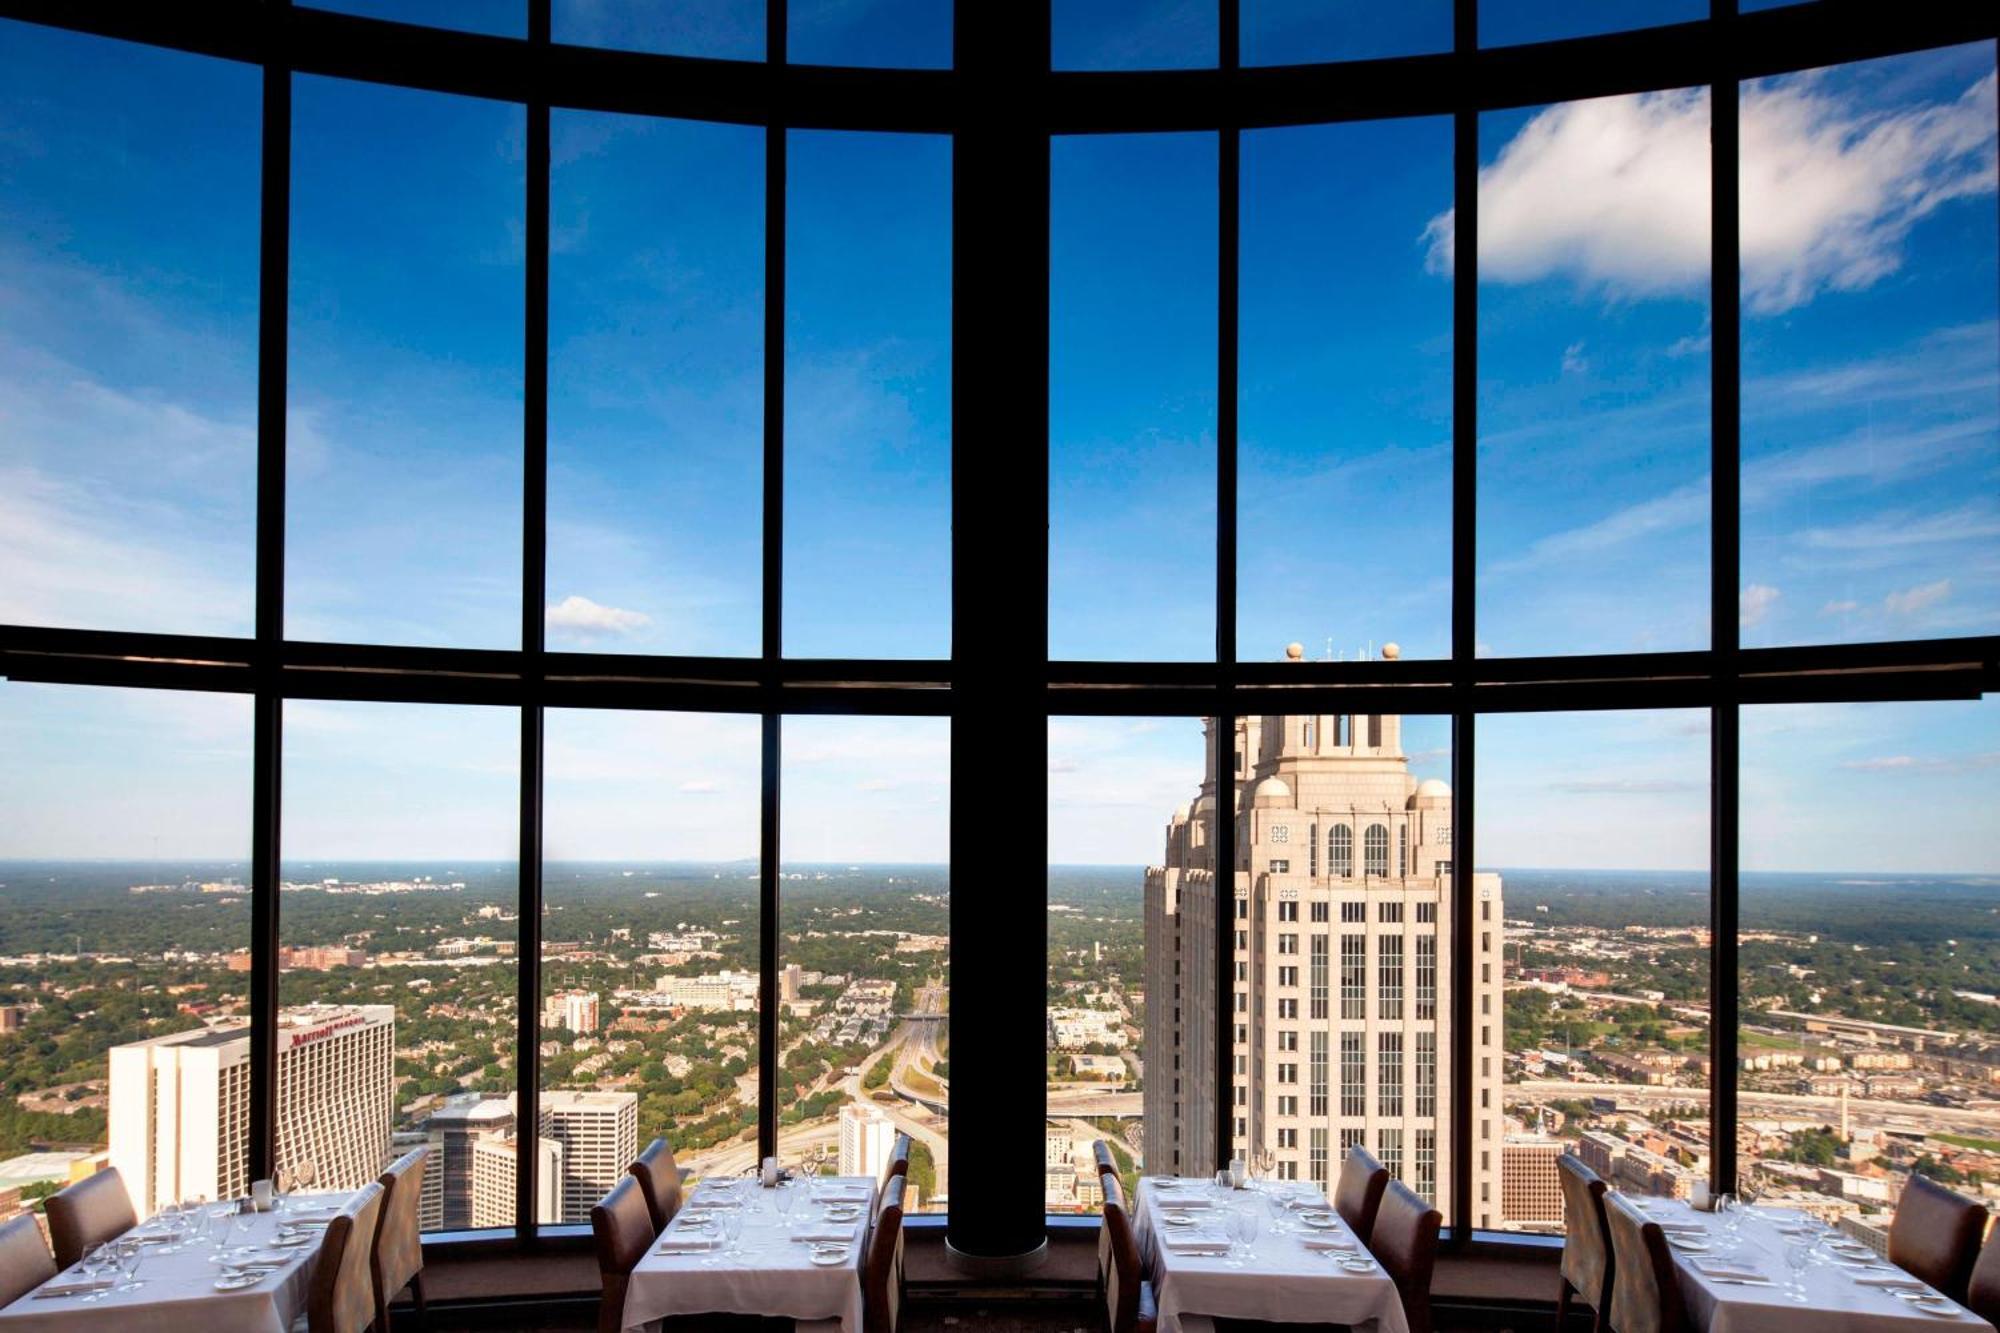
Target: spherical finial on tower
{"x":1390,"y":652}
{"x":1295,"y":652}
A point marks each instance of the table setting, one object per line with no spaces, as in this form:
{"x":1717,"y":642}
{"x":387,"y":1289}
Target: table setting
{"x":223,"y":1265}
{"x":1753,"y":1269}
{"x":1265,"y":1249}
{"x":789,"y":1249}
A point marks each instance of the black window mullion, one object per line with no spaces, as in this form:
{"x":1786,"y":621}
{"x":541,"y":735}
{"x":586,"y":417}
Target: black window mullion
{"x":1228,"y":268}
{"x":267,"y":734}
{"x":1725,"y":547}
{"x":1464,"y":613}
{"x":777,"y":35}
{"x":528,"y":1186}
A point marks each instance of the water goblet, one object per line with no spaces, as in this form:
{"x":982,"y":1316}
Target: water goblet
{"x":732,"y":1231}
{"x":787,"y":1200}
{"x":305,"y":1175}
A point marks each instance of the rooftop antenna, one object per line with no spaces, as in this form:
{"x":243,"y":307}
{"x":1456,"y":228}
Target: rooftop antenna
{"x":1329,"y":649}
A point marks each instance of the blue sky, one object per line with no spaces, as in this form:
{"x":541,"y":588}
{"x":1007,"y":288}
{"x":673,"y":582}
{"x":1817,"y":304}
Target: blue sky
{"x":128,"y":189}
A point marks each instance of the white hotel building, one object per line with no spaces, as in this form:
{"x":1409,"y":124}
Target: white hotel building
{"x":180,"y":1104}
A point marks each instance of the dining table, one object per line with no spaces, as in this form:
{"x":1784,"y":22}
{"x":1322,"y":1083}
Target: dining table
{"x":1272,"y":1250}
{"x":239,"y":1271}
{"x":791,"y":1250}
{"x":1750,"y":1269}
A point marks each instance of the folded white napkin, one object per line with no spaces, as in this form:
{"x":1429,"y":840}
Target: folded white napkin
{"x":683,"y":1243}
{"x":75,"y":1288}
{"x":1196,"y":1242}
{"x":841,"y":1194}
{"x":1728,"y":1268}
{"x":1325,"y":1243}
{"x":1192,"y":1201}
{"x":701,"y":1201}
{"x":1891,"y":1282}
{"x":827,"y":1235}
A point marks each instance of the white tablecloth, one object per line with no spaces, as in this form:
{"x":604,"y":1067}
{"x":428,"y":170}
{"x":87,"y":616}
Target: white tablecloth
{"x":177,"y":1291}
{"x":774,"y":1275}
{"x":1838,"y":1297}
{"x":1282,"y":1281}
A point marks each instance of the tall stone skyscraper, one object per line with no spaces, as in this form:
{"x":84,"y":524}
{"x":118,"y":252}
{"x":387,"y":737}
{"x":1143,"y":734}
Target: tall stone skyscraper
{"x":1340,"y":1004}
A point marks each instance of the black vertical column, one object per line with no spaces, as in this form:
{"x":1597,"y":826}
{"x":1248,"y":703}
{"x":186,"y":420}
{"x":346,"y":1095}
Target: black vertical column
{"x":534,"y":580}
{"x":999,"y":746}
{"x":267,"y":750}
{"x":1725,"y":430}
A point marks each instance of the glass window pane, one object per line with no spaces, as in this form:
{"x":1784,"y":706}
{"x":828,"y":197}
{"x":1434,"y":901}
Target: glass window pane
{"x":1344,"y":473}
{"x":1870,"y":928}
{"x":650,"y":942}
{"x":1131,"y":957}
{"x":890,"y":34}
{"x":1132,"y":327}
{"x":1134,"y":34}
{"x":495,"y":18}
{"x":717,"y":29}
{"x":1299,"y":32}
{"x":1594,"y":371}
{"x":1870,"y":352}
{"x":656,"y":403}
{"x":124,"y":977}
{"x":868,"y":396}
{"x":403,"y":515}
{"x":864,"y":919}
{"x":1507,"y":22}
{"x":399,"y":919}
{"x":1601,"y":1048}
{"x":128,"y":335}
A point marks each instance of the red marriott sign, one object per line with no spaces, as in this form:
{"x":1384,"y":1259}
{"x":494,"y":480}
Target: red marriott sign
{"x":327,"y":1030}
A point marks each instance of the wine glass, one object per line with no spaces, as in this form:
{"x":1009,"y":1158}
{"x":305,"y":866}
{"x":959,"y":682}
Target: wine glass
{"x":91,"y":1266}
{"x":129,"y":1253}
{"x":220,"y":1218}
{"x":1243,"y":1228}
{"x":1728,"y":1214}
{"x":787,"y":1200}
{"x":811,"y":1166}
{"x":1798,"y":1257}
{"x":304,"y":1176}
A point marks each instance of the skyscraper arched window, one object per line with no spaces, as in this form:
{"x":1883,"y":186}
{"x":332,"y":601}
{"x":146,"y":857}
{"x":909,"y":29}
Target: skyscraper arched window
{"x":1340,"y":852}
{"x":1375,"y":851}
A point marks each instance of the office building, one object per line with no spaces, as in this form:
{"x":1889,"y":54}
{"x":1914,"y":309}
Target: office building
{"x":598,"y":1133}
{"x":867,"y":1137}
{"x":1340,"y":1010}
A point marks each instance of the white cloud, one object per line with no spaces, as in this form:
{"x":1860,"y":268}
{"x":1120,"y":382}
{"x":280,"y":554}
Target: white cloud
{"x":1574,"y":361}
{"x":1614,"y":191}
{"x":587,"y":620}
{"x":1904,"y":763}
{"x":1755,"y":603}
{"x":1912,"y":600}
{"x":1840,"y":607}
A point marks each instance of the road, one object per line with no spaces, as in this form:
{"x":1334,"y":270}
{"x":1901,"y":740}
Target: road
{"x":1784,"y":1105}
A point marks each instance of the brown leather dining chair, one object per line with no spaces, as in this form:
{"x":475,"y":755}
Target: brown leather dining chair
{"x":1935,"y":1235}
{"x":882,"y":1265}
{"x":1587,"y":1266}
{"x":1358,"y":1192}
{"x":88,"y":1213}
{"x":899,"y":1159}
{"x":25,"y":1262}
{"x":1129,"y":1303}
{"x":1982,"y":1295}
{"x":659,"y":1178}
{"x":398,"y":1260}
{"x":622,"y":1229}
{"x":342,"y":1296}
{"x":1405,"y":1243}
{"x":1645,"y":1296}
